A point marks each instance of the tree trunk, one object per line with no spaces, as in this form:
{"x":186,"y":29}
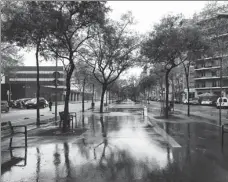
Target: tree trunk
{"x":173,"y":92}
{"x":187,"y":81}
{"x":102,"y":98}
{"x":83,"y":96}
{"x":167,"y":94}
{"x":66,"y":106}
{"x":106,"y":98}
{"x":37,"y":86}
{"x":93,"y":95}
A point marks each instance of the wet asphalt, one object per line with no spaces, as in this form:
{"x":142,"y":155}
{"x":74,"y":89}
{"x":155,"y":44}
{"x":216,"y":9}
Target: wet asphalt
{"x":122,"y":145}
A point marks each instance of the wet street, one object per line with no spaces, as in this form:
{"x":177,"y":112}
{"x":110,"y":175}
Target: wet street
{"x":122,"y":145}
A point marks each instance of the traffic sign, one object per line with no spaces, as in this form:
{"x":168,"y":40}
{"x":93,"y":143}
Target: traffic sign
{"x":56,"y":74}
{"x":56,"y":82}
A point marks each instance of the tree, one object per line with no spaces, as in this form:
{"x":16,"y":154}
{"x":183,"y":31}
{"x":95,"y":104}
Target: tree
{"x":10,"y":58}
{"x":147,"y":83}
{"x":111,"y":52}
{"x":162,"y":46}
{"x":73,"y":21}
{"x":20,"y":25}
{"x":84,"y":76}
{"x":194,"y":46}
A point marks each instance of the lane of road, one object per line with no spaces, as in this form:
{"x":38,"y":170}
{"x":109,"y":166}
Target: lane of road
{"x":209,"y":111}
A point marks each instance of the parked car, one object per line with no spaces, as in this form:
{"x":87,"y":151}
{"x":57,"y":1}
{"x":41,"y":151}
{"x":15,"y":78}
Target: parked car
{"x":193,"y":101}
{"x":207,"y":102}
{"x":11,"y":103}
{"x":224,"y":102}
{"x":4,"y":106}
{"x":33,"y":103}
{"x":20,"y":103}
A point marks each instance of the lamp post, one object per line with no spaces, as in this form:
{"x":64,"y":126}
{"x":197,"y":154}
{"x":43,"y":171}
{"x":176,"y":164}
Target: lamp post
{"x":56,"y":104}
{"x":221,"y":15}
{"x":92,"y":105}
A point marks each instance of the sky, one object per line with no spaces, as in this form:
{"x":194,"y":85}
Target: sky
{"x":146,"y":14}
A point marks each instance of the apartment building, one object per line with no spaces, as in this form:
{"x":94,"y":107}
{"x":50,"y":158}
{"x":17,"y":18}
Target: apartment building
{"x":208,"y":68}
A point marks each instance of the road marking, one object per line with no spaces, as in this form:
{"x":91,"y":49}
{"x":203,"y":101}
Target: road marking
{"x":165,"y":135}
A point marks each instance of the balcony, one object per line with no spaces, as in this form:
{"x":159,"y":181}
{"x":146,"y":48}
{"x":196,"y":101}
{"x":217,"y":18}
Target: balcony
{"x":207,"y":68}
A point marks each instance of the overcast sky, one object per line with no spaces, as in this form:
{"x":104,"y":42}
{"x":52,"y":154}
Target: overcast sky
{"x":146,"y":13}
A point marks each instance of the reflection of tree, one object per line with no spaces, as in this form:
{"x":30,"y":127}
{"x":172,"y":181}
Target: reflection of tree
{"x":83,"y":148}
{"x":38,"y":165}
{"x":56,"y":161}
{"x":67,"y":161}
{"x":93,"y":123}
{"x":188,"y":152}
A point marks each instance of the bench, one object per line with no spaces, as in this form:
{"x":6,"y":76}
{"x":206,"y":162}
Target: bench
{"x":70,"y":119}
{"x":8,"y":130}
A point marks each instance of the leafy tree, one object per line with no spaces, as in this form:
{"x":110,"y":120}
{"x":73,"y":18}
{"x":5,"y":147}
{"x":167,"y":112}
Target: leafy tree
{"x":147,"y":83}
{"x":73,"y":22}
{"x":20,"y":25}
{"x":194,"y":46}
{"x":162,"y":46}
{"x":10,"y":58}
{"x":84,"y":76}
{"x":111,"y":52}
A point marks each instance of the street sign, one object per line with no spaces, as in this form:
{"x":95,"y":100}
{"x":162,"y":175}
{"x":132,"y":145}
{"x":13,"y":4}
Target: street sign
{"x":56,"y":82}
{"x":56,"y":74}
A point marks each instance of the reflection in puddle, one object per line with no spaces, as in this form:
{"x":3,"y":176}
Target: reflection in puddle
{"x":124,"y":150}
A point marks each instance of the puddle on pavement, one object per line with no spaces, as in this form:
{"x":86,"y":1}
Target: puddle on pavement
{"x":114,"y":147}
{"x":118,"y":147}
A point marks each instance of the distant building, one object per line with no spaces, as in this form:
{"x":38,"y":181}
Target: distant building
{"x":21,"y":81}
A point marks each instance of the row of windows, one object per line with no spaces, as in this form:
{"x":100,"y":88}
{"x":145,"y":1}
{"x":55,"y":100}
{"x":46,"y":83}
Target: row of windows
{"x":34,"y":79}
{"x":34,"y":72}
{"x":33,"y":76}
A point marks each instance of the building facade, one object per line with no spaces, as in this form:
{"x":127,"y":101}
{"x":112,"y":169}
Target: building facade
{"x":21,"y":83}
{"x":211,"y":73}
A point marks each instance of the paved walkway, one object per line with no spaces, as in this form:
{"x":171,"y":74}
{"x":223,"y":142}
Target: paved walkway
{"x":122,"y":145}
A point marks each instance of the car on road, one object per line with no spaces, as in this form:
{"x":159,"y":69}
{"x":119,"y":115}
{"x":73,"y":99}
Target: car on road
{"x":193,"y":101}
{"x":4,"y":106}
{"x":224,"y":102}
{"x":20,"y":103}
{"x":206,"y":102}
{"x":33,"y":103}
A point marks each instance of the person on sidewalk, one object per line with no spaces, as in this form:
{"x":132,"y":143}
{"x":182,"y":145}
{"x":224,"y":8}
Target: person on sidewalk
{"x":50,"y":104}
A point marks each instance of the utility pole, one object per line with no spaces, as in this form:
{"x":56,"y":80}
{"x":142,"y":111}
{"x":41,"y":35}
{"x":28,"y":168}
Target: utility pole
{"x":56,"y":104}
{"x":93,"y":98}
{"x":221,"y":15}
{"x":220,"y":107}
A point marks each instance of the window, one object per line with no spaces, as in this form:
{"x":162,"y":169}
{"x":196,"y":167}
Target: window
{"x":224,"y":100}
{"x":213,"y":73}
{"x":214,"y":84}
{"x":202,"y":73}
{"x":203,"y":84}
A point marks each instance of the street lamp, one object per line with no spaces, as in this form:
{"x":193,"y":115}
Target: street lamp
{"x":221,"y":15}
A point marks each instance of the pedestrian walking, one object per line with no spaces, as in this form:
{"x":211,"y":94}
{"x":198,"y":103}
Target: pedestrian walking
{"x":50,"y":104}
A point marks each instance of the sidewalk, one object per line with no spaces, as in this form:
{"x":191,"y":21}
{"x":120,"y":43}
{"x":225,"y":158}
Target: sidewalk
{"x":195,"y":115}
{"x":48,"y":118}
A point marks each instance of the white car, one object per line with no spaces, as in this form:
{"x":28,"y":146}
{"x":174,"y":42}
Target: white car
{"x":224,"y":102}
{"x":206,"y":102}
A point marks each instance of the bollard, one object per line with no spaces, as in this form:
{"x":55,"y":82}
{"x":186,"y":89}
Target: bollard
{"x":145,"y":111}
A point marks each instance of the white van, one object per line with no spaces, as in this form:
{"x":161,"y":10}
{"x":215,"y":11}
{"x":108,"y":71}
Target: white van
{"x":224,"y":102}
